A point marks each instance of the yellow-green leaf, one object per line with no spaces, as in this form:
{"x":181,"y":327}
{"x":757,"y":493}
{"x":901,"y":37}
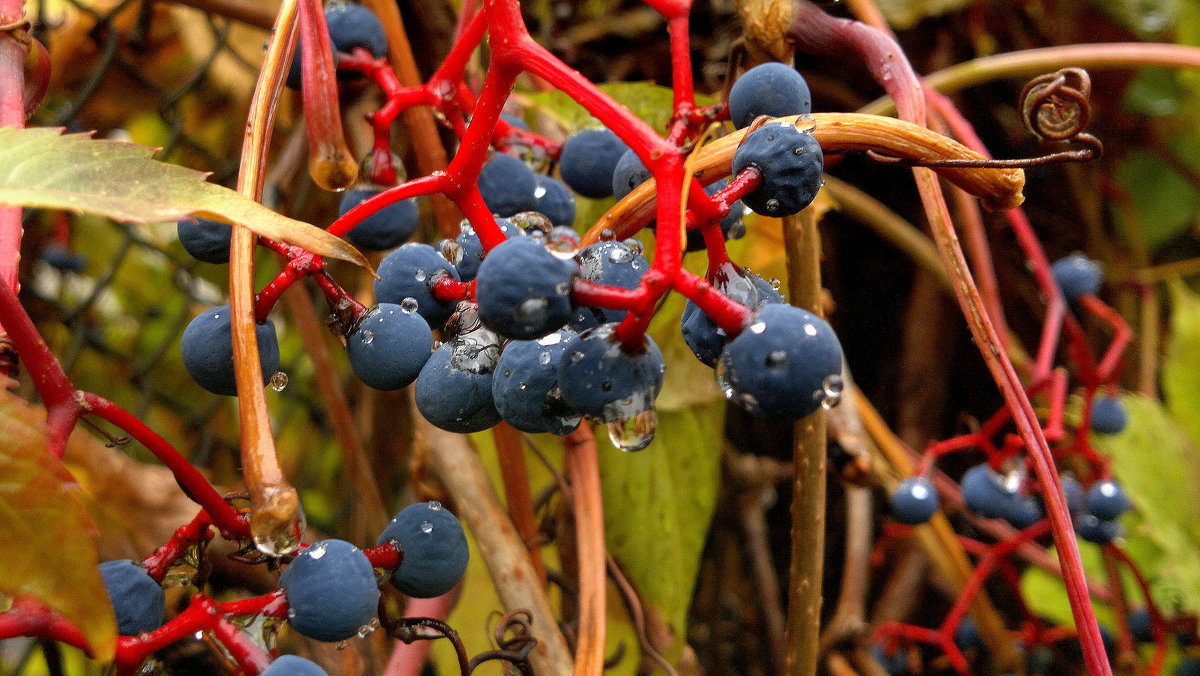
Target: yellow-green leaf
{"x":646,"y":100}
{"x":42,"y":167}
{"x":51,"y":550}
{"x":1158,"y":464}
{"x":1181,"y":367}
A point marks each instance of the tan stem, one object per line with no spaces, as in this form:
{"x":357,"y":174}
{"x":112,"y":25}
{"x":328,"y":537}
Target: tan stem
{"x":275,"y":503}
{"x":584,"y":472}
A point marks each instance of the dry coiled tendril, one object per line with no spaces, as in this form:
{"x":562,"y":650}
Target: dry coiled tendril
{"x":1055,"y":109}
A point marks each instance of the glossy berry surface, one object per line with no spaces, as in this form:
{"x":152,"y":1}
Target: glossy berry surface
{"x":701,"y":333}
{"x":1076,"y":276}
{"x":628,"y":174}
{"x":524,"y":385}
{"x":434,"y":546}
{"x":385,"y":229}
{"x":472,"y":248}
{"x":1024,"y":511}
{"x":205,"y":240}
{"x":1097,"y":530}
{"x":984,"y":492}
{"x":508,"y":185}
{"x":1074,"y":493}
{"x":602,"y":380}
{"x":1107,"y":499}
{"x":291,"y":665}
{"x":588,"y":160}
{"x":784,"y":364}
{"x":136,"y":598}
{"x":966,"y":635}
{"x":407,"y":272}
{"x":390,"y":346}
{"x":611,"y":263}
{"x":1108,"y":415}
{"x":914,"y":501}
{"x":773,"y":89}
{"x":454,"y":388}
{"x":207,"y":350}
{"x":791,"y":162}
{"x":554,"y":200}
{"x":523,"y":290}
{"x":331,"y":591}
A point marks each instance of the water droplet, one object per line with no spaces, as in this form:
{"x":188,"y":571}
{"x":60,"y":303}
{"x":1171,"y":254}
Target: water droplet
{"x":451,"y":250}
{"x":832,"y":387}
{"x":434,"y":505}
{"x":563,"y":242}
{"x":634,"y":433}
{"x":810,"y":330}
{"x":522,"y":386}
{"x":426,"y":526}
{"x":777,"y":360}
{"x":544,"y":358}
{"x":550,"y":339}
{"x":367,"y":337}
{"x":747,"y":401}
{"x":635,"y":246}
{"x":341,"y":645}
{"x":620,"y":254}
{"x":607,"y":235}
{"x":279,"y":381}
{"x":317,"y":551}
{"x":758,"y":327}
{"x":291,"y":613}
{"x":409,"y":305}
{"x":775,"y":283}
{"x":577,"y":356}
{"x":798,"y":150}
{"x":772,"y":205}
{"x":365,"y":631}
{"x":421,"y":275}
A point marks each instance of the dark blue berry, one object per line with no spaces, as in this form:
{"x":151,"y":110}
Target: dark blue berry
{"x":207,"y":350}
{"x":408,"y":272}
{"x":1076,"y":276}
{"x":731,"y":226}
{"x":1108,"y":415}
{"x":966,"y":635}
{"x":1140,"y":625}
{"x":523,"y":290}
{"x":611,"y":263}
{"x":984,"y":492}
{"x":914,"y":501}
{"x":1073,"y":492}
{"x":389,"y":346}
{"x":784,"y":364}
{"x":603,"y":380}
{"x":515,"y":120}
{"x":588,"y":160}
{"x":205,"y":240}
{"x":524,"y":385}
{"x":1188,"y":666}
{"x":291,"y":665}
{"x":1097,"y":530}
{"x":434,"y":546}
{"x":895,"y":664}
{"x":701,"y":333}
{"x":508,"y":185}
{"x":385,"y":229}
{"x":1107,"y":499}
{"x":136,"y":598}
{"x":472,"y":247}
{"x":454,"y":389}
{"x":628,"y":174}
{"x":331,"y":590}
{"x":1024,"y":511}
{"x":554,"y":200}
{"x":791,"y":162}
{"x":773,"y":89}
{"x":60,"y":257}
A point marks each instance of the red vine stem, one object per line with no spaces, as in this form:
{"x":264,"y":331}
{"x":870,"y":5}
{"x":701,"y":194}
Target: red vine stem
{"x":12,"y":114}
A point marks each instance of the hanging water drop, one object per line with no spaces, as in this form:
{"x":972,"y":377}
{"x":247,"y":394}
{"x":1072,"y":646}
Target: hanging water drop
{"x":832,"y":387}
{"x":409,"y":305}
{"x":635,"y":246}
{"x":368,"y":337}
{"x":434,"y":505}
{"x":607,"y":235}
{"x":279,"y":381}
{"x":451,"y":250}
{"x":633,"y":433}
{"x":426,"y":526}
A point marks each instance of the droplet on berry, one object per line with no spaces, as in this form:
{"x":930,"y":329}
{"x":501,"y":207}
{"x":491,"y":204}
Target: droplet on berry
{"x":635,"y":432}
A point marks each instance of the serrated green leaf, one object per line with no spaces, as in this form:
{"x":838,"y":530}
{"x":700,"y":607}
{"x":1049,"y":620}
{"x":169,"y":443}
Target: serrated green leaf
{"x":1158,"y":464}
{"x":42,"y":167}
{"x":50,"y":551}
{"x":658,"y":504}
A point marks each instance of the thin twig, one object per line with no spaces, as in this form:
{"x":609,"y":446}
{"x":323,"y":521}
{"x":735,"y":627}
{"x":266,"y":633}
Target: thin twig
{"x":584,"y":473}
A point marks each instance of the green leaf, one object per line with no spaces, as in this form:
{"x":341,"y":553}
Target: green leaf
{"x":649,"y":102}
{"x":1158,"y":464}
{"x":41,"y":510}
{"x":41,"y":167}
{"x":658,"y":504}
{"x":1165,"y":204}
{"x":1181,"y":366}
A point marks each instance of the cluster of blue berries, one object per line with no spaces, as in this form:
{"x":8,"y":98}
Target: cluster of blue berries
{"x":331,"y":586}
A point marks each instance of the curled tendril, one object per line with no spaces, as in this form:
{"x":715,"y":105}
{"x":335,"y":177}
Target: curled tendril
{"x":1054,"y":108}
